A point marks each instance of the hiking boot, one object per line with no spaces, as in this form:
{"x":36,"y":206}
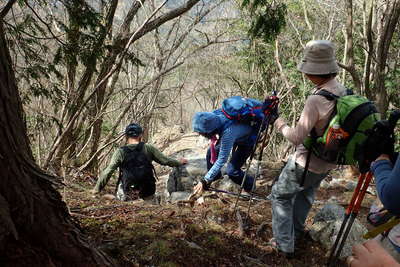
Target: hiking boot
{"x":287,"y":255}
{"x":274,"y":246}
{"x":304,"y":237}
{"x":246,"y":194}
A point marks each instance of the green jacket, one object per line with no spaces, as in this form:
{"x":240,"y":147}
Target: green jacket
{"x":152,"y":153}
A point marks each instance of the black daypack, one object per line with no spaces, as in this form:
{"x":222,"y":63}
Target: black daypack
{"x":135,"y":169}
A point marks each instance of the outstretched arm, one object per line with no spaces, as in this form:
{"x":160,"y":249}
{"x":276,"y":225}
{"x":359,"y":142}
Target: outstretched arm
{"x":160,"y":158}
{"x":387,"y":180}
{"x":227,"y":140}
{"x":308,"y":119}
{"x":106,"y":174}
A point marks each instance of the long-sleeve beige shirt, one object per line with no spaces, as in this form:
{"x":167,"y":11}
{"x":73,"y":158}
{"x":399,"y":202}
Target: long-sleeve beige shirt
{"x":316,"y":113}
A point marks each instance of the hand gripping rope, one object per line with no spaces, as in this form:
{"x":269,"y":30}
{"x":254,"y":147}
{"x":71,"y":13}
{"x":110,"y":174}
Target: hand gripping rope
{"x":273,"y":102}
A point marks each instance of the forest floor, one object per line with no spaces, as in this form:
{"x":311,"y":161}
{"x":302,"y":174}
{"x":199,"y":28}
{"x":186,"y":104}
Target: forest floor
{"x":138,"y":233}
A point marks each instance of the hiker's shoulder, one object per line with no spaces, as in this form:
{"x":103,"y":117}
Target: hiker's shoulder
{"x":150,"y":147}
{"x":118,"y":154}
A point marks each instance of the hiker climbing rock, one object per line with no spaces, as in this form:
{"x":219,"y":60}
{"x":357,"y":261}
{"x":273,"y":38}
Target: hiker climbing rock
{"x":233,"y":129}
{"x":292,"y":201}
{"x":135,"y":163}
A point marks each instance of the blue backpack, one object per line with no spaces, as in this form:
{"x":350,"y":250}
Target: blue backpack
{"x":243,"y":110}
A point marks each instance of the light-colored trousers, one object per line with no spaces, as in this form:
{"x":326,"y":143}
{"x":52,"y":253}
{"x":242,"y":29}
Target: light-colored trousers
{"x":292,"y":203}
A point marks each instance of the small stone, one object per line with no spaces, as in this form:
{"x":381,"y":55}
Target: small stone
{"x":324,"y":184}
{"x":351,"y":185}
{"x":200,"y":201}
{"x":193,"y":245}
{"x":108,"y":196}
{"x":177,"y":196}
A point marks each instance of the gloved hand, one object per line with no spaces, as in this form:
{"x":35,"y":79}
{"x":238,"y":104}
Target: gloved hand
{"x":269,"y":104}
{"x":200,"y":187}
{"x":380,"y":141}
{"x":384,"y":137}
{"x":270,"y":108}
{"x":274,"y":114}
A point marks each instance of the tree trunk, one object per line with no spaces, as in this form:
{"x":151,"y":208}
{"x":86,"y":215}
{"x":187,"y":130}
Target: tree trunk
{"x":122,"y":43}
{"x":391,"y":19}
{"x":349,"y":51}
{"x":35,"y":227}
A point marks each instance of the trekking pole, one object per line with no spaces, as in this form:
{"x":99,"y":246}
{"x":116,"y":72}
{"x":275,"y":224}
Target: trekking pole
{"x":256,"y":197}
{"x":265,"y":121}
{"x":249,"y":163}
{"x":351,"y":213}
{"x":263,"y":145}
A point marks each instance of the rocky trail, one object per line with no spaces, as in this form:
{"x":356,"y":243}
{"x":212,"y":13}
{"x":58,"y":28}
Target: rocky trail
{"x":173,"y":232}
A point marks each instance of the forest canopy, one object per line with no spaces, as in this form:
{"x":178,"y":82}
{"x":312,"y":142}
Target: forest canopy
{"x":87,"y":68}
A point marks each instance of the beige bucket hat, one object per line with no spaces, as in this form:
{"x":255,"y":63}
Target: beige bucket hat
{"x":319,"y":58}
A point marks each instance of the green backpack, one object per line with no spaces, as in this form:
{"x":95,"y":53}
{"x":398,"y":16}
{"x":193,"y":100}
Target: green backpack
{"x":346,"y":131}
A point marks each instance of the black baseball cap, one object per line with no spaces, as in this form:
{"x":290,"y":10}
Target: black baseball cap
{"x":133,"y":130}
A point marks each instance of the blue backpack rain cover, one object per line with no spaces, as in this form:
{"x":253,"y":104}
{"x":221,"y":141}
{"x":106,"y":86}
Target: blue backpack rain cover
{"x":243,"y":110}
{"x":246,"y":110}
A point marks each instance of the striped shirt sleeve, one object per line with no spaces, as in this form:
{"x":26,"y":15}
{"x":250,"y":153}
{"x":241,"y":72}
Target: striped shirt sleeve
{"x":229,"y":137}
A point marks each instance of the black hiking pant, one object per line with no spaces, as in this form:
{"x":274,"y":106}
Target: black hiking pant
{"x":143,"y":190}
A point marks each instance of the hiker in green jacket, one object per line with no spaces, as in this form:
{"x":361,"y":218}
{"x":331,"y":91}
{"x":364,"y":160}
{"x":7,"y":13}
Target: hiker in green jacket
{"x":136,"y":169}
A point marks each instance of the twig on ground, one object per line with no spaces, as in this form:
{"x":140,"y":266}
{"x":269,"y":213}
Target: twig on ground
{"x":91,"y":216}
{"x":240,"y":222}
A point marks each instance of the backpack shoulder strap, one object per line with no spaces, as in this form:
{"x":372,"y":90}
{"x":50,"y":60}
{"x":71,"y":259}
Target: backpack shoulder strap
{"x":331,"y":97}
{"x":328,"y":95}
{"x":140,"y":146}
{"x":124,"y":149}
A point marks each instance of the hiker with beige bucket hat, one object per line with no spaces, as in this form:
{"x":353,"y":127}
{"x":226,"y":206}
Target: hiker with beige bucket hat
{"x":293,"y":193}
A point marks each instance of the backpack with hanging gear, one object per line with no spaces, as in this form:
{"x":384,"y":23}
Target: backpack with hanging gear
{"x":347,"y":130}
{"x":247,"y":110}
{"x":136,"y":169}
{"x":243,"y":110}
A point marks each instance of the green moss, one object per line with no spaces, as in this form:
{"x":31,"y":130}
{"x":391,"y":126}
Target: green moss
{"x":214,"y":240}
{"x":159,"y":248}
{"x":169,"y":264}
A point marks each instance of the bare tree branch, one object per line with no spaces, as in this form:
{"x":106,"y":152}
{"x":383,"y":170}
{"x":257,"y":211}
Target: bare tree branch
{"x":7,"y":8}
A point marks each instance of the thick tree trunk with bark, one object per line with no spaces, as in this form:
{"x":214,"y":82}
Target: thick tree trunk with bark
{"x":35,"y":226}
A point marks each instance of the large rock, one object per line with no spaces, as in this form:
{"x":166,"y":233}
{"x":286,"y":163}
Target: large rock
{"x":326,"y":226}
{"x":177,"y":196}
{"x":180,"y":180}
{"x":227,"y":185}
{"x":178,"y":184}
